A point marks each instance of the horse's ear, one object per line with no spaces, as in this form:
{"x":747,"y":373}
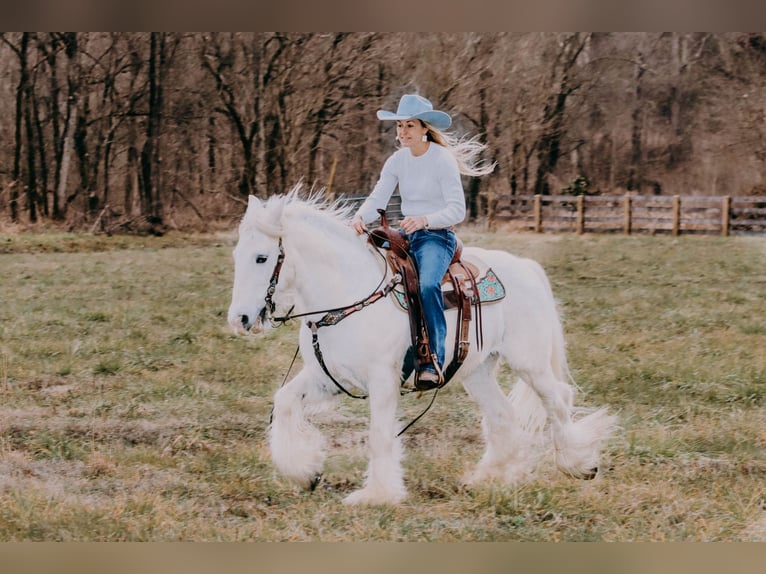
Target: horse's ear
{"x":279,"y":208}
{"x":268,"y":220}
{"x":253,"y":202}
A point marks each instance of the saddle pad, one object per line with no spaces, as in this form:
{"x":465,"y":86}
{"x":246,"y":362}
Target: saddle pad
{"x":490,"y":289}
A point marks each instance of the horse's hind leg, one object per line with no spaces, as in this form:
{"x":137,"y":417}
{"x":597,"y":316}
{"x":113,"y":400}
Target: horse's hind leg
{"x":576,"y":444}
{"x":297,"y":446}
{"x":509,"y":455}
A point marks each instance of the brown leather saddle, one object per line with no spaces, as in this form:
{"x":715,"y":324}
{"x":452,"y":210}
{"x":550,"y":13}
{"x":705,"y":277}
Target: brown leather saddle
{"x":462,"y":276}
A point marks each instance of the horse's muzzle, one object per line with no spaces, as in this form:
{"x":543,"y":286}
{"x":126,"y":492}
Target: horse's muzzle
{"x":244,"y":320}
{"x":245,"y":324}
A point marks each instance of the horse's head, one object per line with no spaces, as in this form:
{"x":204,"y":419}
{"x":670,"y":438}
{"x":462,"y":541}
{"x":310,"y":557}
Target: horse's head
{"x":256,"y":257}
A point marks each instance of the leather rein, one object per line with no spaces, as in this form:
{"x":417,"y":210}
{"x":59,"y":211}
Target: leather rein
{"x":333,"y":317}
{"x":330,"y":316}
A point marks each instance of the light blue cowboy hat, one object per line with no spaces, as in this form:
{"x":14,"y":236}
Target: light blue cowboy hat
{"x":413,"y":107}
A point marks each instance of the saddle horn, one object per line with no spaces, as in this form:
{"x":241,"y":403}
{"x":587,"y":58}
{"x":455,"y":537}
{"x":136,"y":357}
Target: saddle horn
{"x":386,"y":237}
{"x":383,"y":219}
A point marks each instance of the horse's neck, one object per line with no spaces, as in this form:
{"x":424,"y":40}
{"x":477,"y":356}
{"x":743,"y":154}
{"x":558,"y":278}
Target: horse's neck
{"x":332,"y":266}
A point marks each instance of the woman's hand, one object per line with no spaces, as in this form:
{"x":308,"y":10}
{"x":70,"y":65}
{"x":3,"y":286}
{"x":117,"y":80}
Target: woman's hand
{"x":358,"y":225}
{"x":413,"y":223}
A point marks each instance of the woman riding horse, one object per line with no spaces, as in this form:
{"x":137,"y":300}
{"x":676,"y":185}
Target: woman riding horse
{"x":427,"y":169}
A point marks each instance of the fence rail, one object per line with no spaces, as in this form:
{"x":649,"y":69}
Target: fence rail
{"x":649,"y":214}
{"x":393,"y":209}
{"x":724,"y":215}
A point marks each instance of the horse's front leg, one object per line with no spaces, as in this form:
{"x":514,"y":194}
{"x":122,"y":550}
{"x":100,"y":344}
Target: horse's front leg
{"x":297,"y":446}
{"x":384,"y":483}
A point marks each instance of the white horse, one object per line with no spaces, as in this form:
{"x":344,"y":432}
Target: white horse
{"x":323,"y":264}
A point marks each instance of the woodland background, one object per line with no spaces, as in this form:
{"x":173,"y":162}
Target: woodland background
{"x":143,"y":132}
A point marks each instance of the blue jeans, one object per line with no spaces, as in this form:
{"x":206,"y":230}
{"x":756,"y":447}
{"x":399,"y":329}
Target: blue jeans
{"x":432,"y":250}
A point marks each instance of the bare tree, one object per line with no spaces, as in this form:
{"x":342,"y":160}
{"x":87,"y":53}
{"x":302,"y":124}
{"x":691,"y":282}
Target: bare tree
{"x":563,"y":82}
{"x":241,"y":66}
{"x":20,"y":51}
{"x":139,"y":127}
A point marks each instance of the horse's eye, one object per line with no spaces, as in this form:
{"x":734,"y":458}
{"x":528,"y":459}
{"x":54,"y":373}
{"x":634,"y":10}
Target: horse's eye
{"x":261,"y":258}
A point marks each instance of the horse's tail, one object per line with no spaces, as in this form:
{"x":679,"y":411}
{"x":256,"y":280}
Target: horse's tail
{"x":559,"y":362}
{"x":526,"y":401}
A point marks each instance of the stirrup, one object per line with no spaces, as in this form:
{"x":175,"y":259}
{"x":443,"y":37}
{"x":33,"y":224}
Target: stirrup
{"x":426,"y":380}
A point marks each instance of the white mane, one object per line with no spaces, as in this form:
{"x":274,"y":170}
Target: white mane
{"x":269,"y":216}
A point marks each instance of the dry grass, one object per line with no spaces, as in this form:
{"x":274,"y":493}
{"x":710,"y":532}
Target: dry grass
{"x":129,"y":412}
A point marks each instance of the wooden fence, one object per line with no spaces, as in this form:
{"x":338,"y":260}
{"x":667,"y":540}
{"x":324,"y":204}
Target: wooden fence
{"x":649,"y":214}
{"x":630,"y":213}
{"x":393,"y":209}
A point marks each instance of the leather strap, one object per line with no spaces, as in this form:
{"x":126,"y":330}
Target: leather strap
{"x":401,"y":263}
{"x":464,"y":285}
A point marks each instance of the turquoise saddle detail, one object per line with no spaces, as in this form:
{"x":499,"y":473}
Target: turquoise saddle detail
{"x":490,"y":289}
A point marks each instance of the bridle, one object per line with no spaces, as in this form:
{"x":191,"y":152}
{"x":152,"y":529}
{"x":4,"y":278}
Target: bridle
{"x":269,"y":298}
{"x":329,"y":317}
{"x":333,"y":317}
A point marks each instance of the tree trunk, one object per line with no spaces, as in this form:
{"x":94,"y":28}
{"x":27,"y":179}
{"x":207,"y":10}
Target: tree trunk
{"x":132,"y":182}
{"x":635,"y":177}
{"x":31,"y":163}
{"x":212,"y":143}
{"x":245,"y":127}
{"x":40,"y":147}
{"x":60,"y":198}
{"x":549,"y":146}
{"x":21,"y":91}
{"x":150,"y":154}
{"x":55,"y":119}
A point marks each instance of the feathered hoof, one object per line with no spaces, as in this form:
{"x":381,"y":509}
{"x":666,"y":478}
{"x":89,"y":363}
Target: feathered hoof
{"x":315,"y":482}
{"x":584,"y":475}
{"x":591,"y":474}
{"x":371,"y":497}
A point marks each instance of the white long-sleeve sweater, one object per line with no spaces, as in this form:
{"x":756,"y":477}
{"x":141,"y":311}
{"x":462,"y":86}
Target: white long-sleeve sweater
{"x":428,"y":185}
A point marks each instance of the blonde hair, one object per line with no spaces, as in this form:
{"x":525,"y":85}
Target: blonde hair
{"x":466,"y":151}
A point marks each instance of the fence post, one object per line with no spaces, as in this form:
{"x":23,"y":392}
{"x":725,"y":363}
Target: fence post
{"x":580,"y":214}
{"x":676,"y":215}
{"x":538,"y":213}
{"x":330,"y":196}
{"x":627,"y":214}
{"x":725,"y":213}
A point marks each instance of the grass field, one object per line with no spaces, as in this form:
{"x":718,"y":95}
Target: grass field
{"x":129,"y":411}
